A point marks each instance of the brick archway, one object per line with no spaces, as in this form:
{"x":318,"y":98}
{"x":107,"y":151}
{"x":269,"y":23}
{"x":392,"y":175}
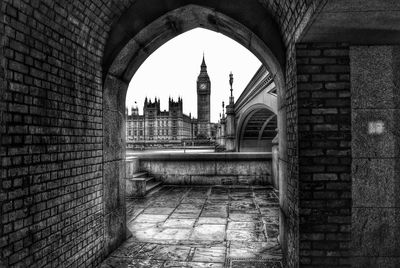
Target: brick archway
{"x":135,"y":51}
{"x":62,"y":130}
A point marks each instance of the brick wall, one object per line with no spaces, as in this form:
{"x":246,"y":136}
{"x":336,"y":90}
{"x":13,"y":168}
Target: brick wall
{"x":51,"y":136}
{"x":292,"y":16}
{"x":290,"y":197}
{"x":51,"y":118}
{"x":324,"y":136}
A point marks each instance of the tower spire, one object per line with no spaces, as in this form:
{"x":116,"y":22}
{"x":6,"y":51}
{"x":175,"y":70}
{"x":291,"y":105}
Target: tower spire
{"x":203,"y":63}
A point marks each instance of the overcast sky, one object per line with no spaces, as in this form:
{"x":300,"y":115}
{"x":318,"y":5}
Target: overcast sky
{"x":172,"y":70}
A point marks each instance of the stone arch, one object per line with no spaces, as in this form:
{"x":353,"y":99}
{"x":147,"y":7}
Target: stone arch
{"x":259,"y":116}
{"x":140,"y":31}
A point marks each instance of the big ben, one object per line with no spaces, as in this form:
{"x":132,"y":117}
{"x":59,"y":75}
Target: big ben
{"x":203,"y":102}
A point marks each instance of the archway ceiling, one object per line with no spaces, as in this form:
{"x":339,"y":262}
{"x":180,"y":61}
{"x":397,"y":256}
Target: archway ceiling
{"x":223,"y":16}
{"x":362,"y":22}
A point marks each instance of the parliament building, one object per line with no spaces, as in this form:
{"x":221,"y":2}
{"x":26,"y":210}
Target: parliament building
{"x":173,"y":126}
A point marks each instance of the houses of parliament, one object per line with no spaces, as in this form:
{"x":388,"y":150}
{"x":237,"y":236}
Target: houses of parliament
{"x":173,"y":126}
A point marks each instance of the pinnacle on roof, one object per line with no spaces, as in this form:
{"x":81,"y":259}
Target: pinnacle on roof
{"x":203,"y":63}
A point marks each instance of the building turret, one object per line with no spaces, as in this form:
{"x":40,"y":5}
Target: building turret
{"x":175,"y":107}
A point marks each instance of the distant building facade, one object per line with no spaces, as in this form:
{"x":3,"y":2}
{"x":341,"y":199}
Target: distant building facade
{"x":172,"y":126}
{"x":156,"y":125}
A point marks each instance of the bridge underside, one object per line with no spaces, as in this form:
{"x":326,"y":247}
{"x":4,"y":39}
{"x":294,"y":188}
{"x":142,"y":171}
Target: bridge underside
{"x":258,"y":132}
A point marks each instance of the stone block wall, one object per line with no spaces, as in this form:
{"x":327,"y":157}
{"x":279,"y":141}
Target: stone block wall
{"x":324,"y":136}
{"x":209,"y":169}
{"x":376,"y":156}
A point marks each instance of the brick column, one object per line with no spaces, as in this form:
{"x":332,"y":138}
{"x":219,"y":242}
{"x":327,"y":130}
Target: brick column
{"x":324,"y":136}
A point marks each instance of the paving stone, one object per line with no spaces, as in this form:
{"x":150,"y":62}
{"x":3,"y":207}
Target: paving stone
{"x":270,"y":220}
{"x":196,"y":201}
{"x":239,"y":225}
{"x":175,"y":264}
{"x":175,"y":236}
{"x":187,"y":211}
{"x":129,"y":249}
{"x":244,"y":249}
{"x":165,"y":204}
{"x":112,"y":262}
{"x":244,"y":217}
{"x":144,"y":234}
{"x":142,"y":225}
{"x":210,"y":254}
{"x":219,"y":198}
{"x":245,"y":235}
{"x":158,"y":210}
{"x":184,"y":215}
{"x":192,"y":206}
{"x":238,"y":211}
{"x":138,"y":263}
{"x":212,"y":220}
{"x":164,"y":252}
{"x":269,"y":211}
{"x":208,"y":232}
{"x":150,"y":218}
{"x":214,"y":211}
{"x":179,"y":223}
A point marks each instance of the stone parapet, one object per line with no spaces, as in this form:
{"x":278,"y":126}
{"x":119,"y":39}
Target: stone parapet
{"x":209,"y":168}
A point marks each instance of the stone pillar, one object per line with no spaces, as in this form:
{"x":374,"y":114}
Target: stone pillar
{"x":230,"y":127}
{"x":375,"y":109}
{"x":223,"y":129}
{"x":275,"y":163}
{"x":218,"y":135}
{"x":114,"y":166}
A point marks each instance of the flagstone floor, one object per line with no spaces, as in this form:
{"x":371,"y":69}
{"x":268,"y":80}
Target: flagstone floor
{"x":202,"y":227}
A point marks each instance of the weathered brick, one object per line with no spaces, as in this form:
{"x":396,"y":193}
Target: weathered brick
{"x":324,"y":77}
{"x":337,"y":69}
{"x":336,"y":52}
{"x":325,"y":177}
{"x":308,"y":69}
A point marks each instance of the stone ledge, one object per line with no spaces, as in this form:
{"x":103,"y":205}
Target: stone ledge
{"x":205,"y":156}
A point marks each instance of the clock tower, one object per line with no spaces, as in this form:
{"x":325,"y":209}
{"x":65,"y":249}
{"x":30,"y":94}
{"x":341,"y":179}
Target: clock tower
{"x":203,"y":102}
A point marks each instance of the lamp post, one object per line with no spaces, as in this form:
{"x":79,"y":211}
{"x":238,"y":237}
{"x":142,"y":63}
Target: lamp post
{"x":230,"y":119}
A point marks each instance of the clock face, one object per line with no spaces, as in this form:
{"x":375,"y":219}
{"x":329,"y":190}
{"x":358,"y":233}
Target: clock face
{"x":203,"y":86}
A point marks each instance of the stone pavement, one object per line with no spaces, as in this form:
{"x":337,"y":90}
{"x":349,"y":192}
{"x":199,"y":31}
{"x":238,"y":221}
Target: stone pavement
{"x":211,"y":226}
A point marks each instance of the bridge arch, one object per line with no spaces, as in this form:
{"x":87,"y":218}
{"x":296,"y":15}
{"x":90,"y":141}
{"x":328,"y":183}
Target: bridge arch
{"x":256,"y":128}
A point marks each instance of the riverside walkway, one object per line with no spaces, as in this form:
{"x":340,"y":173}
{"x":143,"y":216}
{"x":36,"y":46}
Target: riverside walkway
{"x":202,"y":226}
